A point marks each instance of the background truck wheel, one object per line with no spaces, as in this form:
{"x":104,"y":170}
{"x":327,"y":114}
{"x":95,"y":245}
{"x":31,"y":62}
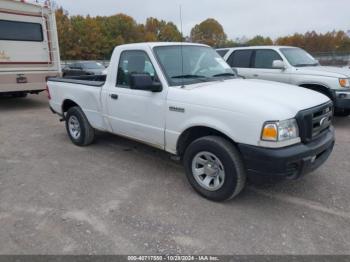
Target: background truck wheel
{"x":78,"y":127}
{"x":339,"y":112}
{"x":214,"y":168}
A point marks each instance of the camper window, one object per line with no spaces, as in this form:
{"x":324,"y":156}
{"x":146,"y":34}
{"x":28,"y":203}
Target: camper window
{"x":20,"y":31}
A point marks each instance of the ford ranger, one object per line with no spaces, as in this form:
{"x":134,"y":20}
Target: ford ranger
{"x":293,"y":66}
{"x":185,"y":99}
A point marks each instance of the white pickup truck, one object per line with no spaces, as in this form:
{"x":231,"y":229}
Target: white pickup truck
{"x":185,"y":99}
{"x":292,"y":65}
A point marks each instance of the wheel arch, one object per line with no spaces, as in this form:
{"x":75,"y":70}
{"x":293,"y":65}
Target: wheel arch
{"x":321,"y":88}
{"x":67,"y":104}
{"x":193,"y":133}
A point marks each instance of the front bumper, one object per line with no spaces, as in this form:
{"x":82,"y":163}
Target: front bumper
{"x":290,"y":162}
{"x":342,"y":100}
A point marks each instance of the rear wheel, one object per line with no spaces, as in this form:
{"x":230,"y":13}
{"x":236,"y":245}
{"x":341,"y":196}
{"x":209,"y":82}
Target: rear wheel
{"x":78,"y":127}
{"x":19,"y":95}
{"x":214,"y":168}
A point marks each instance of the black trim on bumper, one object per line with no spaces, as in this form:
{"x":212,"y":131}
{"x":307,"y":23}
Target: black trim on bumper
{"x":291,"y":162}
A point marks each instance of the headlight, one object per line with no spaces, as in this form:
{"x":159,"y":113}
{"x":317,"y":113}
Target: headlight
{"x":278,"y":131}
{"x":344,"y":82}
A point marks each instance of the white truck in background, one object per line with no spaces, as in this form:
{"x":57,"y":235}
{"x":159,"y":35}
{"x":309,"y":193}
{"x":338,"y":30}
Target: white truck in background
{"x":294,"y":66}
{"x":186,"y":100}
{"x":29,"y":50}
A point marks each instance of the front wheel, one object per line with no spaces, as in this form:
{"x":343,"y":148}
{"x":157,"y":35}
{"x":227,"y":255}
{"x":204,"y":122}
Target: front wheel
{"x":78,"y":127}
{"x":214,"y":168}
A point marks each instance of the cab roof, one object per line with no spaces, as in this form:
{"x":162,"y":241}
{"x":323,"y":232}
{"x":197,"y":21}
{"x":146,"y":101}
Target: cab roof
{"x":155,"y":44}
{"x":257,"y":47}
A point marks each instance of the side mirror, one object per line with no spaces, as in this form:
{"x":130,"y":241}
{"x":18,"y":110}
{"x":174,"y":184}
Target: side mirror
{"x":144,"y":82}
{"x":278,"y":64}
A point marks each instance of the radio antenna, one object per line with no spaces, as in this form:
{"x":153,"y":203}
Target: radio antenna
{"x":181,"y":48}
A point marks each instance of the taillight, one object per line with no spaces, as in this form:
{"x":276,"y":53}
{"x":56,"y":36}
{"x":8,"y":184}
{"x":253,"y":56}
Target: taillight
{"x":48,"y":92}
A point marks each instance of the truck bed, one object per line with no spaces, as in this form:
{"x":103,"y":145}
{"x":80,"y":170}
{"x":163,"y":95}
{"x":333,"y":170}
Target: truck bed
{"x":98,"y":80}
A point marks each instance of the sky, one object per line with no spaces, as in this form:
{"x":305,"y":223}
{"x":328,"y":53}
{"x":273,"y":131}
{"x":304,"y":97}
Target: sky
{"x":239,"y":18}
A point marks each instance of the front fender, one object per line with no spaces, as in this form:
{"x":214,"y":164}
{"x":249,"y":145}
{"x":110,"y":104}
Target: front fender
{"x":235,"y":126}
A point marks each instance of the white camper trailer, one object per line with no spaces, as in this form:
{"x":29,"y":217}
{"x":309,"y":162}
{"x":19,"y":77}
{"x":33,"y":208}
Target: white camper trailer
{"x":29,"y":51}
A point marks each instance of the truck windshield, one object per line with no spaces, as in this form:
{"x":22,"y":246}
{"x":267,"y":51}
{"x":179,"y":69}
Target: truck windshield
{"x":191,"y":64}
{"x":298,"y":57}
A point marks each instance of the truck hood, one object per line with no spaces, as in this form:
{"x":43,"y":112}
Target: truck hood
{"x":329,"y":71}
{"x":269,"y":100}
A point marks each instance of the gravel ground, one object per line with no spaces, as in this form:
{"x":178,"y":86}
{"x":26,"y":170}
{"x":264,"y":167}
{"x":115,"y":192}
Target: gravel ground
{"x":121,"y":197}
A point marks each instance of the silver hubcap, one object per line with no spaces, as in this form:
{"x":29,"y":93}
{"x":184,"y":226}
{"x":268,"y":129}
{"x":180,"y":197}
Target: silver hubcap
{"x":208,"y":171}
{"x":74,"y":127}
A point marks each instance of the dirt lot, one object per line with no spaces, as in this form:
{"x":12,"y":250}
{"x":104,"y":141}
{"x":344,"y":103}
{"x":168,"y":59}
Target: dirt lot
{"x":120,"y":197}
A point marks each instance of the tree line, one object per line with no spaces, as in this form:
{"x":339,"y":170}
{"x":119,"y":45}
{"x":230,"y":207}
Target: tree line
{"x":92,"y":38}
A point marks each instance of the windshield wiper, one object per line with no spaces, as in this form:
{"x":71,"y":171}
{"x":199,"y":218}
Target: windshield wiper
{"x":189,"y":76}
{"x":224,"y":74}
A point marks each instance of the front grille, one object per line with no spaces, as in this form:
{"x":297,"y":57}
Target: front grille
{"x":315,"y":121}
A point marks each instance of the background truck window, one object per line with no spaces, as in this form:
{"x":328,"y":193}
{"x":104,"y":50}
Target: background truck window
{"x":240,"y":58}
{"x":222,"y":52}
{"x":265,"y":58}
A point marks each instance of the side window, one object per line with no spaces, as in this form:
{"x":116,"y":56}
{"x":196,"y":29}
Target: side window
{"x":265,"y":58}
{"x":21,"y":31}
{"x":133,"y":62}
{"x":240,"y":58}
{"x":222,"y":52}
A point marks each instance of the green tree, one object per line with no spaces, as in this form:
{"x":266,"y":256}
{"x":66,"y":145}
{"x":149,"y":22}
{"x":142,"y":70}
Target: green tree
{"x":209,"y":32}
{"x":229,"y":43}
{"x":161,"y":30}
{"x":64,"y":32}
{"x":260,"y":40}
{"x":86,"y":37}
{"x":117,"y":30}
{"x":313,"y":42}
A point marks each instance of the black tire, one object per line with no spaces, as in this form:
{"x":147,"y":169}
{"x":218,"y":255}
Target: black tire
{"x":20,"y":95}
{"x":229,"y":156}
{"x":339,"y":112}
{"x":87,"y":132}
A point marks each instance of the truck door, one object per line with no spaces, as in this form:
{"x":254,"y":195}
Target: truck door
{"x":133,"y":113}
{"x":262,"y":66}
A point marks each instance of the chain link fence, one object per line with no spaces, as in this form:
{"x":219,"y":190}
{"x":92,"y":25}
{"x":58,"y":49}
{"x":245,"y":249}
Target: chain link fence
{"x":333,"y":58}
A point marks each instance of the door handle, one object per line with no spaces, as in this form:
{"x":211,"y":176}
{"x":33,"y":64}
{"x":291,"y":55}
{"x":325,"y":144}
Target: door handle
{"x":255,"y":75}
{"x":114,"y":96}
